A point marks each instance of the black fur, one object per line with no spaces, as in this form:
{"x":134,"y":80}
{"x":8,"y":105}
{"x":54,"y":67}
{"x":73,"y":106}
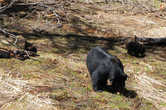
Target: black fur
{"x":4,"y":54}
{"x":135,"y":49}
{"x":103,"y":66}
{"x":29,"y":47}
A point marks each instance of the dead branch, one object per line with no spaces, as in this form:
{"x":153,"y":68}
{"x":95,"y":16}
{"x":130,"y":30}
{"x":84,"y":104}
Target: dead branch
{"x":9,"y":4}
{"x":25,"y":49}
{"x":6,"y":33}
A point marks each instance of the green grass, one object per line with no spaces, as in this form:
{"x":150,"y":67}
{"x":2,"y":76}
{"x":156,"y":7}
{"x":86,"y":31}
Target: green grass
{"x":74,"y":86}
{"x":60,"y":72}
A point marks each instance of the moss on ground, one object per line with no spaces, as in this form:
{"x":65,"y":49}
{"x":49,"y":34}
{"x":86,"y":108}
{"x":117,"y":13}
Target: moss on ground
{"x":59,"y":74}
{"x":68,"y":78}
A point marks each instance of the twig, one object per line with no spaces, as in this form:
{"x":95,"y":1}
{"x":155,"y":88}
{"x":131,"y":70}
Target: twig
{"x":7,"y":6}
{"x":4,"y":31}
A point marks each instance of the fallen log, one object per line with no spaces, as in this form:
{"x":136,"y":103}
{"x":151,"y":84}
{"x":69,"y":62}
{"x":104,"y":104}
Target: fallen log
{"x":152,"y":41}
{"x":137,"y":46}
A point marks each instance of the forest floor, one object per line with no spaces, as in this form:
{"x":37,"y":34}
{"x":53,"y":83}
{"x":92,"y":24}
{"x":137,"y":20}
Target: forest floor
{"x":58,"y":79}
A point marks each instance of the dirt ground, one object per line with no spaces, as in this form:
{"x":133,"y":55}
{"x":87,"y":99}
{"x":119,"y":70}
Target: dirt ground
{"x":58,"y":79}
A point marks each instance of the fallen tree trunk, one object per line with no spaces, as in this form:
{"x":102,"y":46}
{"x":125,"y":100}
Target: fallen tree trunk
{"x":138,"y":46}
{"x":143,"y":40}
{"x":152,"y":41}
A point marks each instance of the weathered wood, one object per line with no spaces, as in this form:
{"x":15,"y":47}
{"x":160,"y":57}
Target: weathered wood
{"x":152,"y":41}
{"x":143,"y":40}
{"x":137,"y":46}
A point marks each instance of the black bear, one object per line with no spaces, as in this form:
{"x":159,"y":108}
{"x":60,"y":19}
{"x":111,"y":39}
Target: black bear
{"x":29,"y":47}
{"x":103,"y":66}
{"x":135,"y":48}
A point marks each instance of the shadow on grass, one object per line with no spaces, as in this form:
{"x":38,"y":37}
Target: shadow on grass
{"x":72,"y":43}
{"x":125,"y":92}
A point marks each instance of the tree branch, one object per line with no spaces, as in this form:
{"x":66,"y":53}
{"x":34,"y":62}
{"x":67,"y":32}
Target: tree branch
{"x":3,"y":8}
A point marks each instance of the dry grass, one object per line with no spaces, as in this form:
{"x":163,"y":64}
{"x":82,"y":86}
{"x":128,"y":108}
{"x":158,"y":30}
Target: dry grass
{"x":14,"y":95}
{"x":58,"y":79}
{"x":151,"y":89}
